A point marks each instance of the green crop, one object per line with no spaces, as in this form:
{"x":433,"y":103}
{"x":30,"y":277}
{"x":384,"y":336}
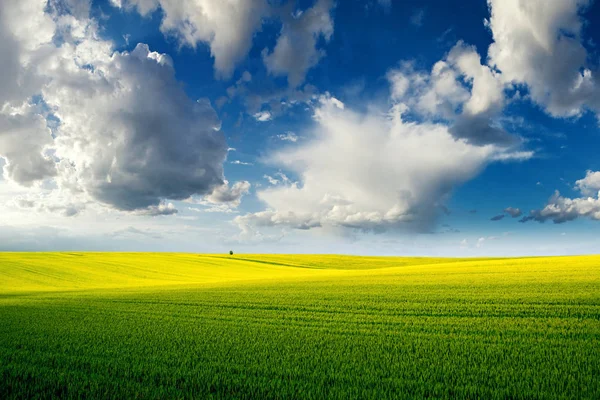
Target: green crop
{"x":115,"y":325}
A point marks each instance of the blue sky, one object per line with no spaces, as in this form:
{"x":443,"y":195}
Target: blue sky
{"x":461,"y":128}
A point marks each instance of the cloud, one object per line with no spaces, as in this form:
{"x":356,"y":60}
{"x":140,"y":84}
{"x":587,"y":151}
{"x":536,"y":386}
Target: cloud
{"x":296,"y":49}
{"x":513,"y":212}
{"x":227,"y":26}
{"x":238,"y":162}
{"x":124,"y":132}
{"x":459,"y":89}
{"x":497,"y":217}
{"x":130,"y":230}
{"x":544,"y":51}
{"x":368,"y":171}
{"x":133,"y":137}
{"x":590,"y":185}
{"x":231,"y":195}
{"x":49,"y":202}
{"x":161,"y":209}
{"x":560,"y":209}
{"x":24,"y":138}
{"x":281,"y":178}
{"x":263,"y":116}
{"x":288,"y":137}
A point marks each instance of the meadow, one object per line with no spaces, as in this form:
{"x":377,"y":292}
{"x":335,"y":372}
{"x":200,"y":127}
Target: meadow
{"x":156,"y":326}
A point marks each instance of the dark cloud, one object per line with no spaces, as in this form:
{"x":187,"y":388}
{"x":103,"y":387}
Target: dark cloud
{"x":141,"y":138}
{"x":497,"y":217}
{"x":479,"y":130}
{"x":513,"y":212}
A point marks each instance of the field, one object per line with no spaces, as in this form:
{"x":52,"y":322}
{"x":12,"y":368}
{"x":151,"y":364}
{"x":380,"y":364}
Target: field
{"x":115,"y":325}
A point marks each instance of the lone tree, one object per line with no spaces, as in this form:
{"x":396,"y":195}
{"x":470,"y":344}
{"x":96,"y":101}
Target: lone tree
{"x":230,"y":252}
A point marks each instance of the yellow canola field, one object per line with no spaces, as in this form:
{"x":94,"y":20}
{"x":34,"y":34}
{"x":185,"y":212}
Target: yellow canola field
{"x":34,"y":272}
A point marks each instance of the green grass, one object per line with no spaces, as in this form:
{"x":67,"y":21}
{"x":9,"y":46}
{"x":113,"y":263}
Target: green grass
{"x":114,"y":325}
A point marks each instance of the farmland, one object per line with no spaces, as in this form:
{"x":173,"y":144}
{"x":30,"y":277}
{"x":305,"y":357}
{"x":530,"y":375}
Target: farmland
{"x":144,"y":325}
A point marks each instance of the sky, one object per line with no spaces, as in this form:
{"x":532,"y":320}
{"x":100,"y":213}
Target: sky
{"x":455,"y":128}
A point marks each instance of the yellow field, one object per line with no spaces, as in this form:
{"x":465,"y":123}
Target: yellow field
{"x":31,"y":272}
{"x":158,"y":325}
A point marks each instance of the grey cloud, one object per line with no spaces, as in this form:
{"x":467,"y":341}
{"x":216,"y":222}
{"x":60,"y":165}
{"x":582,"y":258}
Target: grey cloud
{"x":513,"y":212}
{"x":226,"y":194}
{"x":480,"y":130}
{"x":296,"y":49}
{"x":158,"y":210}
{"x":140,"y":139}
{"x":497,"y":217}
{"x":561,"y":209}
{"x":23,"y":138}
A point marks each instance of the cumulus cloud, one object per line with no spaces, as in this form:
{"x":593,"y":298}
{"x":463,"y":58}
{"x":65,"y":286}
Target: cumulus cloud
{"x":124,"y":133}
{"x":227,"y":26}
{"x":590,"y":185}
{"x":538,"y":43}
{"x":560,"y":209}
{"x":134,"y":137}
{"x":368,"y":172}
{"x":24,"y":137}
{"x":296,"y":49}
{"x":227,"y":194}
{"x":460,"y":90}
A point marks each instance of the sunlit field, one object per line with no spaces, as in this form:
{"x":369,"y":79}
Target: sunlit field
{"x":139,"y":325}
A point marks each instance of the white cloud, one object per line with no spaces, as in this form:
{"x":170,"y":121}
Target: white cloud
{"x":296,"y":49}
{"x":590,"y":185}
{"x":288,"y":137}
{"x":368,"y":171}
{"x":460,"y":90}
{"x":227,"y":26}
{"x":281,"y":178}
{"x":263,"y":116}
{"x":238,"y":162}
{"x":538,"y":43}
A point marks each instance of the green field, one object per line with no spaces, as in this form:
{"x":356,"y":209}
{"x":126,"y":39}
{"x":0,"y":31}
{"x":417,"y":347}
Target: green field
{"x":138,"y":325}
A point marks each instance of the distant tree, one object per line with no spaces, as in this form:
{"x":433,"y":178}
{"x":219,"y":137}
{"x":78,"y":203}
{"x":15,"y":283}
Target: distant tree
{"x":230,"y":252}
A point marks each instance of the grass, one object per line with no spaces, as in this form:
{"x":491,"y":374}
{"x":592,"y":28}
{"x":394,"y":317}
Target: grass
{"x":115,"y":325}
